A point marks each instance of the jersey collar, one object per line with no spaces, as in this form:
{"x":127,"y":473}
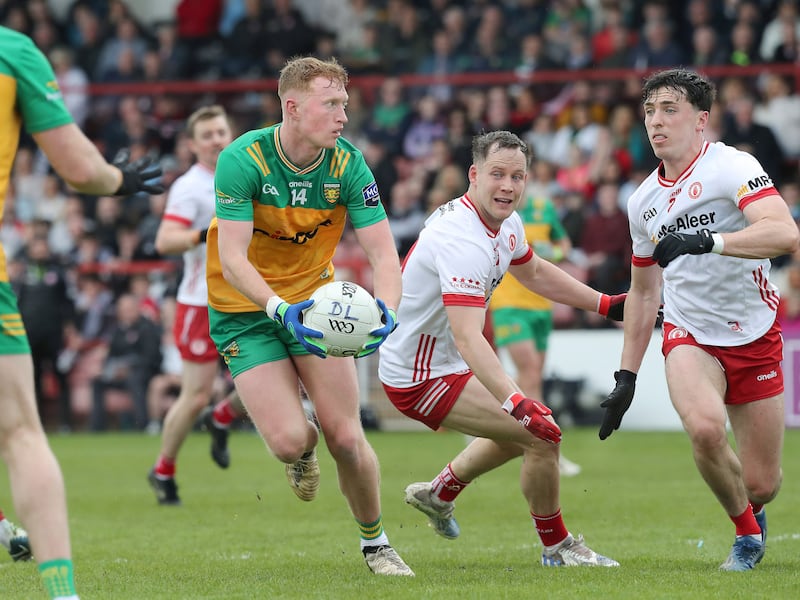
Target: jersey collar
{"x":288,"y":163}
{"x":663,"y":181}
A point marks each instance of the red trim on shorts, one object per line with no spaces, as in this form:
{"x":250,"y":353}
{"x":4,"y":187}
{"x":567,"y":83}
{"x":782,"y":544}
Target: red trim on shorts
{"x":431,"y":401}
{"x":752,"y":371}
{"x":191,"y":334}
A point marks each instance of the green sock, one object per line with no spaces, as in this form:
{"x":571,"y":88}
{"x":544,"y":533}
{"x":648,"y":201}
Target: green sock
{"x":57,"y":577}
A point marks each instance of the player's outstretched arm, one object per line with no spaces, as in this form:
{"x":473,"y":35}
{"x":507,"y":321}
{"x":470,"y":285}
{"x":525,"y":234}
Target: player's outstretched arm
{"x":552,"y":282}
{"x":78,"y":161}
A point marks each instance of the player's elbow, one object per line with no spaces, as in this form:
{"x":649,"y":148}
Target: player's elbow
{"x":792,"y":243}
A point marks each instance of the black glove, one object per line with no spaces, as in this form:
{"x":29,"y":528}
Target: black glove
{"x":618,"y":401}
{"x":673,"y":245}
{"x":613,"y":307}
{"x":202,"y":237}
{"x":138,"y":175}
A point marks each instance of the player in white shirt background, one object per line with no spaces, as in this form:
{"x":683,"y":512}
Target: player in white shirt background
{"x":706,"y":222}
{"x":427,"y":365}
{"x":190,"y":208}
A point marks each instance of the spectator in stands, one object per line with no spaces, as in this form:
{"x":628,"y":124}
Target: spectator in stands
{"x":245,"y":42}
{"x":65,"y":233}
{"x":197,"y":29}
{"x":133,"y":358}
{"x":288,"y":30}
{"x":404,"y":41}
{"x":628,"y":138}
{"x":87,"y":38}
{"x":406,"y":213}
{"x":350,"y":30}
{"x":125,"y":45}
{"x":604,"y":40}
{"x":84,"y":341}
{"x":657,"y":48}
{"x":390,"y":114}
{"x":73,"y":82}
{"x":780,"y":111}
{"x":775,"y":32}
{"x":46,"y":310}
{"x":489,"y":50}
{"x":28,"y":184}
{"x":365,"y":59}
{"x":788,"y":51}
{"x":425,"y":126}
{"x":706,"y":48}
{"x":441,"y":62}
{"x":742,"y":132}
{"x":743,"y":45}
{"x":52,"y":204}
{"x":606,"y":242}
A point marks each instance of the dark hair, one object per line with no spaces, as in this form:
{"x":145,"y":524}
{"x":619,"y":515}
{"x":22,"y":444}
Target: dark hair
{"x":484,"y":142}
{"x":697,"y":90}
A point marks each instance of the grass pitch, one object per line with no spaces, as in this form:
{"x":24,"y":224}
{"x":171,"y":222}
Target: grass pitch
{"x":241,"y":533}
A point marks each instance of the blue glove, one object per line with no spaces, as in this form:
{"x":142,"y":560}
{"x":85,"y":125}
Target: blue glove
{"x":290,"y":317}
{"x":389,"y":320}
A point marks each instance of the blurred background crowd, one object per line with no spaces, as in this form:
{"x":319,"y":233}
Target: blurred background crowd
{"x":426,"y":75}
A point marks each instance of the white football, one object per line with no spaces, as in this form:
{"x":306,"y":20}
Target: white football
{"x":345,"y":313}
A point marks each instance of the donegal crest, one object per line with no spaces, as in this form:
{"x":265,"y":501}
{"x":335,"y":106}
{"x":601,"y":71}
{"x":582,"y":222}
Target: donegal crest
{"x":331,"y":192}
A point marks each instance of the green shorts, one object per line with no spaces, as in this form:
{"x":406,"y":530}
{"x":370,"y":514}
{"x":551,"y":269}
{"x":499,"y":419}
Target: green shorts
{"x":519,"y":325}
{"x":246,"y":340}
{"x":13,"y":339}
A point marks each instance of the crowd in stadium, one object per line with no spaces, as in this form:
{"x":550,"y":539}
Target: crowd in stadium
{"x":81,"y":255}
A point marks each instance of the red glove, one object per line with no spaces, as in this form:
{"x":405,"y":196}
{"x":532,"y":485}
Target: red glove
{"x":532,"y":413}
{"x":612,"y":307}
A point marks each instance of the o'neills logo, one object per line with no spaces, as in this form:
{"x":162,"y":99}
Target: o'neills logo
{"x":767,"y":376}
{"x":678,"y":333}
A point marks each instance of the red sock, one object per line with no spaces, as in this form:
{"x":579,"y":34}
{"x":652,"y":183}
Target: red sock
{"x":746,"y":523}
{"x":2,"y":516}
{"x":224,"y":414}
{"x":165,"y":467}
{"x":446,"y":486}
{"x":551,"y":528}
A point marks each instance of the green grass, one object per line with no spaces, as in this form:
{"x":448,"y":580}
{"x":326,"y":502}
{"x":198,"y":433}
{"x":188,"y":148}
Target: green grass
{"x":242,"y":534}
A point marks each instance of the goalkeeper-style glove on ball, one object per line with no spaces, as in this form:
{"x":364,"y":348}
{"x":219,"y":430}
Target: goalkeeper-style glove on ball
{"x":618,"y":401}
{"x":137,"y":176}
{"x":675,"y":244}
{"x":290,"y":317}
{"x":389,"y":320}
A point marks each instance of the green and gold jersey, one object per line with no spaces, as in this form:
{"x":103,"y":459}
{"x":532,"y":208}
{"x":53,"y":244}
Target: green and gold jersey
{"x":298,"y":213}
{"x":29,"y":95}
{"x":541,"y":225}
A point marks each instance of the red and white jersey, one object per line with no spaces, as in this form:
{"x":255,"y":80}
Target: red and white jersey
{"x":457,"y":261}
{"x":191,"y":201}
{"x":720,"y":300}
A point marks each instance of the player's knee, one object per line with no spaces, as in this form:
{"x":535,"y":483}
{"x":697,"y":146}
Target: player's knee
{"x":706,"y":434}
{"x":344,"y":443}
{"x":760,"y":489}
{"x":288,"y":447}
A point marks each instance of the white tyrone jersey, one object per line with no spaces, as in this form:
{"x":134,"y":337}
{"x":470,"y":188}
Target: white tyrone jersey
{"x":191,"y":201}
{"x":720,"y":300}
{"x":457,"y":261}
